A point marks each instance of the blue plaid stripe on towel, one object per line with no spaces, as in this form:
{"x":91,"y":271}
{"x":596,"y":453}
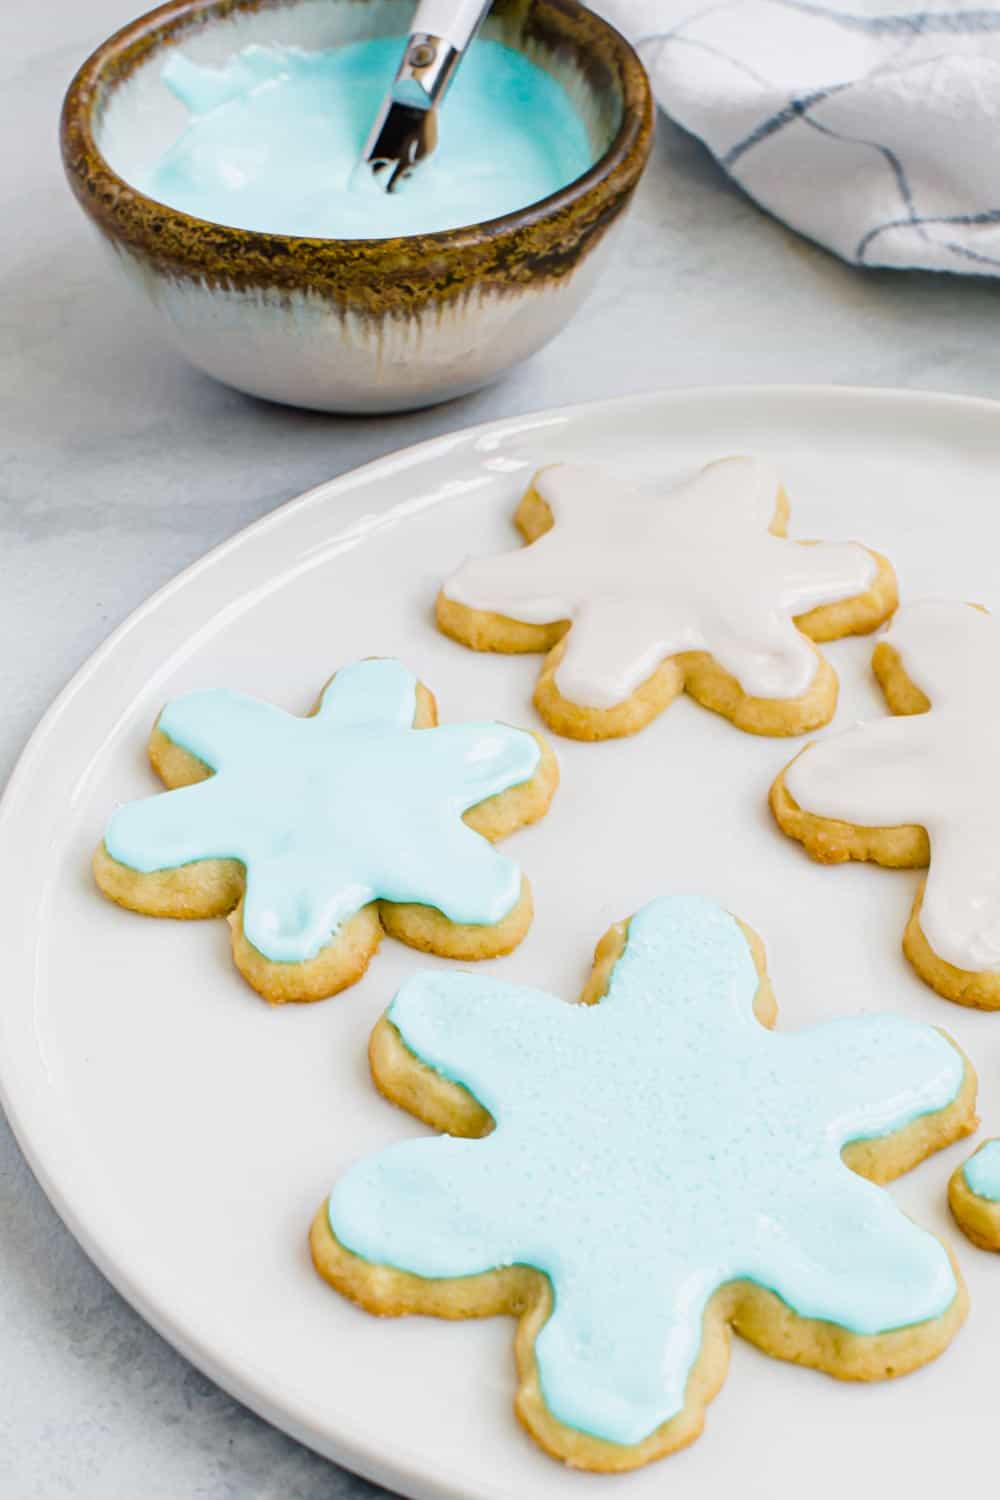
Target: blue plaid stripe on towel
{"x":872,"y":128}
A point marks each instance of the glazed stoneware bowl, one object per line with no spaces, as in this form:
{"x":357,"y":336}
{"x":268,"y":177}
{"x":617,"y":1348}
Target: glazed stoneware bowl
{"x":352,"y":325}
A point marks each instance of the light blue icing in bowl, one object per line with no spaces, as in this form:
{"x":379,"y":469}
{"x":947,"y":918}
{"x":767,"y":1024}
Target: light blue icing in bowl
{"x":982,"y":1171}
{"x":275,"y":137}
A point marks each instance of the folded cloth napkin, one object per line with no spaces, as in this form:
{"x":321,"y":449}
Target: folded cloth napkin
{"x":872,"y":128}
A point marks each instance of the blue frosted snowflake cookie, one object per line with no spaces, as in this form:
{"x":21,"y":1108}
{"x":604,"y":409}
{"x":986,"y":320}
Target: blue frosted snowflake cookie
{"x":636,"y":1175}
{"x":974,"y":1196}
{"x":318,"y":833}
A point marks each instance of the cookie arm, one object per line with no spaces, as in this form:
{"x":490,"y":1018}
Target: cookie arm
{"x":960,"y":909}
{"x":894,"y":1071}
{"x":460,"y":874}
{"x":412,"y":1207}
{"x":216,"y":724}
{"x":850,"y":1258}
{"x":163,"y":832}
{"x":854,"y":777}
{"x":518,"y":585}
{"x":472,"y":1031}
{"x":484,"y":759}
{"x":378,"y":691}
{"x":612,"y":648}
{"x":812,"y":570}
{"x":292,"y":912}
{"x":620,"y":1366}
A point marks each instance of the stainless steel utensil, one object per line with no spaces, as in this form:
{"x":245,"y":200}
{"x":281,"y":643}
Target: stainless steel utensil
{"x":406,"y":128}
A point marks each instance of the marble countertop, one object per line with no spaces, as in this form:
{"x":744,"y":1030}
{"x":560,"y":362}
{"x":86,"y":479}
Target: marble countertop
{"x":119,"y":466}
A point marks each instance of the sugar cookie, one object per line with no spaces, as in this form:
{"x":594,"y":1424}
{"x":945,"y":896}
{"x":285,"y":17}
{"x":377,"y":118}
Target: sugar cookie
{"x":638,"y":595}
{"x":656,"y":1167}
{"x":318,"y":833}
{"x":921,"y":789}
{"x":974,"y":1196}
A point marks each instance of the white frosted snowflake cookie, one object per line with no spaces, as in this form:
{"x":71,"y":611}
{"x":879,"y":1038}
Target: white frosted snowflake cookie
{"x":638,"y":594}
{"x":920,"y":789}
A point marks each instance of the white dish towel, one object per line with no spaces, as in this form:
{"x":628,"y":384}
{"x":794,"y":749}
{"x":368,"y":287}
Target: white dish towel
{"x":869,"y":126}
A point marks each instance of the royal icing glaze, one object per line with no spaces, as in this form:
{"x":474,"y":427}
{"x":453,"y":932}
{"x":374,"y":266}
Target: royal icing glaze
{"x":331,"y":812}
{"x":614,"y":1170}
{"x":937,"y":769}
{"x":644,"y":575}
{"x":982,"y":1171}
{"x":276,"y":135}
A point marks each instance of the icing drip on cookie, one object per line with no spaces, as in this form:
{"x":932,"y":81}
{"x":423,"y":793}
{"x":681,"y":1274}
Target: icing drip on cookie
{"x":614,"y":1170}
{"x":938,"y":769}
{"x":645,"y":575}
{"x":331,"y":812}
{"x":982,"y":1171}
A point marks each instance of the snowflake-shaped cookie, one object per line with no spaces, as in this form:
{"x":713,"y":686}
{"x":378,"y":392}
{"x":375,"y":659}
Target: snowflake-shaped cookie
{"x":656,"y":1168}
{"x":974,"y":1196}
{"x":638,"y":595}
{"x":320,"y":831}
{"x":921,"y":788}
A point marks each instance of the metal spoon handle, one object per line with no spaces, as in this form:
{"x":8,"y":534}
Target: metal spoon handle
{"x":453,"y":21}
{"x":405,"y":130}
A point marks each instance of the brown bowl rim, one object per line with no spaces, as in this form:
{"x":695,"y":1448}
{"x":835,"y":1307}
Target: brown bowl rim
{"x":94,"y":180}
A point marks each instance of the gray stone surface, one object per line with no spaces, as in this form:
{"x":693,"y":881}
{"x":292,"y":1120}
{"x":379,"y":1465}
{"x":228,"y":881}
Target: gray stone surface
{"x":119,"y":465}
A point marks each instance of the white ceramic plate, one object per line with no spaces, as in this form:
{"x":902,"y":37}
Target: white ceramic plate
{"x":186,"y":1132}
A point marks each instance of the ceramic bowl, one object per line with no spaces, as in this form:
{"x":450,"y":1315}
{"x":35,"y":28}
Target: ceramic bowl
{"x":353,"y":325}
